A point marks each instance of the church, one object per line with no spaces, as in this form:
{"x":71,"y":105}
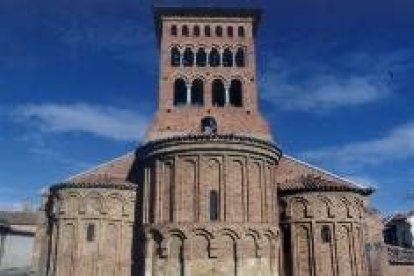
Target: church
{"x":209,"y":191}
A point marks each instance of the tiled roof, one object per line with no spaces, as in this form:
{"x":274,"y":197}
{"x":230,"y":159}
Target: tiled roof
{"x":114,"y":172}
{"x":19,"y":217}
{"x":293,"y":175}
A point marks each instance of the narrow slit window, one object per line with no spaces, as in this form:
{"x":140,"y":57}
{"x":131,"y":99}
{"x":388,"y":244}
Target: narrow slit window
{"x":90,"y":232}
{"x":326,"y":235}
{"x":214,"y":205}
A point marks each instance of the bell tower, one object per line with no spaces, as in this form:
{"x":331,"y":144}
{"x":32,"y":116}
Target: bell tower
{"x":207,"y":77}
{"x":206,"y":174}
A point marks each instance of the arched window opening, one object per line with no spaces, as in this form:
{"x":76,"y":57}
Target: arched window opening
{"x":227,"y":58}
{"x":175,"y":57}
{"x":207,"y":31}
{"x":174,"y":30}
{"x":236,"y":97}
{"x":208,"y":125}
{"x":214,"y":58}
{"x":188,"y":59}
{"x":218,"y":93}
{"x":90,"y":232}
{"x":185,"y":31}
{"x":240,"y":60}
{"x":230,"y":31}
{"x":201,"y":57}
{"x":214,"y":205}
{"x":326,"y":234}
{"x":219,"y":31}
{"x":240,"y":31}
{"x":180,"y":92}
{"x":197,"y":92}
{"x":196,"y":30}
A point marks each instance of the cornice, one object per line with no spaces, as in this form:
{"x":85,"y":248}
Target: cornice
{"x":87,"y":185}
{"x":191,"y":139}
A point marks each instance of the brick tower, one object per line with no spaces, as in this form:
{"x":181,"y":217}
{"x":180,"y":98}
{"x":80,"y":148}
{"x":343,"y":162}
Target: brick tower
{"x":207,"y":70}
{"x":209,"y":203}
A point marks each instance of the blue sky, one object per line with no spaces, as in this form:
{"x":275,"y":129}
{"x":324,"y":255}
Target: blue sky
{"x":78,"y":81}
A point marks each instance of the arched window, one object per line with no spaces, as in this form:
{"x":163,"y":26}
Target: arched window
{"x":185,"y":31}
{"x":219,"y":31}
{"x":236,"y":93}
{"x":174,"y":30}
{"x":196,"y":30}
{"x":201,"y":57}
{"x":214,"y":205}
{"x":240,"y":62}
{"x":180,"y":92}
{"x":227,"y":58}
{"x":240,"y":31}
{"x":90,"y":232}
{"x":218,"y":93}
{"x":208,"y":125}
{"x":214,"y":58}
{"x":230,"y":31}
{"x":326,"y":236}
{"x":175,"y":56}
{"x":207,"y":31}
{"x":197,"y":92}
{"x":188,"y":58}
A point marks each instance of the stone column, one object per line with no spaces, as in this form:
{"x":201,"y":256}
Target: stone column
{"x":227,"y":95}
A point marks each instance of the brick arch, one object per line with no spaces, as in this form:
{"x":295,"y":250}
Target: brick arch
{"x":253,"y":233}
{"x":178,"y":75}
{"x":235,"y":235}
{"x":203,"y":232}
{"x":115,"y":210}
{"x":100,"y":201}
{"x":344,"y":207}
{"x":239,"y":77}
{"x":327,"y":203}
{"x":175,"y":45}
{"x":67,"y":206}
{"x":305,"y":206}
{"x":250,"y":246}
{"x":177,"y":232}
{"x":200,"y":76}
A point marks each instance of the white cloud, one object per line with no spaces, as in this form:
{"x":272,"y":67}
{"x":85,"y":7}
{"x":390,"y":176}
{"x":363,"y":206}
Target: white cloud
{"x":11,"y":206}
{"x":102,"y":121}
{"x":398,"y":144}
{"x":315,"y":90}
